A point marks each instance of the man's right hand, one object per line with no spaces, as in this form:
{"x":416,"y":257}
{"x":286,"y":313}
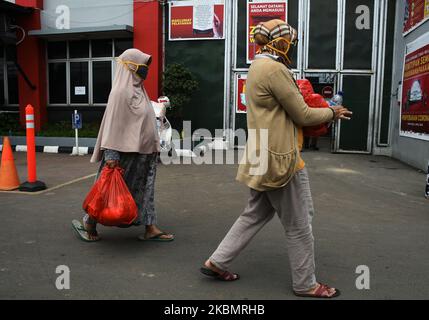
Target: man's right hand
{"x":342,"y":113}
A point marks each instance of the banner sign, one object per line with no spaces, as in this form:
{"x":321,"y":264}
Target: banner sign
{"x":77,"y":120}
{"x":415,"y":90}
{"x":416,"y":13}
{"x":240,"y":89}
{"x":261,"y":11}
{"x":197,"y":20}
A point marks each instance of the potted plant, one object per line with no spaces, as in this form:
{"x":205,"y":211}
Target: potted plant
{"x":179,"y":84}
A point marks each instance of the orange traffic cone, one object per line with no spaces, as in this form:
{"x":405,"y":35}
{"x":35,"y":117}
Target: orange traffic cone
{"x":8,"y":176}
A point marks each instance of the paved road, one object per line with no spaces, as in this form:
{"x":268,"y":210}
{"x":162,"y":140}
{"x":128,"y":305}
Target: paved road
{"x":370,"y":211}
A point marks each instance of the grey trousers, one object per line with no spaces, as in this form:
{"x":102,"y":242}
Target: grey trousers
{"x":294,"y":206}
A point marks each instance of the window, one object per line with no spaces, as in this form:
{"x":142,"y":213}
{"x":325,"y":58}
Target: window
{"x":10,"y":53}
{"x":121,"y":45}
{"x":79,"y":49}
{"x":79,"y":82}
{"x":57,"y":82}
{"x":102,"y":48}
{"x":57,"y":50}
{"x":2,"y":74}
{"x":101,"y":80}
{"x":80,"y":72}
{"x":8,"y":77}
{"x":12,"y":83}
{"x":322,"y":50}
{"x":358,"y":42}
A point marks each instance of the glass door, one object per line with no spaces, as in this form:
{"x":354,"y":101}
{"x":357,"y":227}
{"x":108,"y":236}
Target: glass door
{"x":325,"y":84}
{"x":358,"y":74}
{"x":321,"y":54}
{"x":337,"y":51}
{"x":340,"y":41}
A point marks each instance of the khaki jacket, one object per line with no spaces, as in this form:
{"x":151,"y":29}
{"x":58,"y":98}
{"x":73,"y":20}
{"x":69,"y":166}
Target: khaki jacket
{"x":276,"y":109}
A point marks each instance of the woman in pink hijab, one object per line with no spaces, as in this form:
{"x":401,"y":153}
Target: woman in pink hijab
{"x":128,"y":138}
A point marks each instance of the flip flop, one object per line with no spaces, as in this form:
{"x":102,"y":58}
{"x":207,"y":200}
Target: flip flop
{"x":319,"y":293}
{"x":157,"y":238}
{"x":81,"y":231}
{"x":225,"y":276}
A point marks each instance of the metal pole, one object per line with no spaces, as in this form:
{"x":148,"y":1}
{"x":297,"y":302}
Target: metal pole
{"x":427,"y":184}
{"x":76,"y":134}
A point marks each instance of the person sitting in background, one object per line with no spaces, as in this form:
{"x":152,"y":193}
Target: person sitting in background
{"x":311,"y":143}
{"x":313,"y":100}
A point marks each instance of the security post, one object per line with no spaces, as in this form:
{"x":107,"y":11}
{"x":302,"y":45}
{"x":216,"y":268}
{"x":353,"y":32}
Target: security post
{"x":32,"y":185}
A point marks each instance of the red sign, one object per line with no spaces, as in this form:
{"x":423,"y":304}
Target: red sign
{"x":328,"y":92}
{"x":240,"y":99}
{"x":415,"y":95}
{"x":261,"y":11}
{"x":416,"y":11}
{"x":196,"y":20}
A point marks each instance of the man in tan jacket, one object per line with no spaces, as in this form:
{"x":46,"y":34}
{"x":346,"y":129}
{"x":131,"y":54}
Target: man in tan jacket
{"x":272,"y":166}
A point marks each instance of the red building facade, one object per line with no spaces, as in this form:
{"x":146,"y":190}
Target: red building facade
{"x":32,"y":57}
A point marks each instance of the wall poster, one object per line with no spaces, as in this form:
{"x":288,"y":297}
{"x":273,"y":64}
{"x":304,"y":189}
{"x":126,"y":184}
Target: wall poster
{"x":197,"y":20}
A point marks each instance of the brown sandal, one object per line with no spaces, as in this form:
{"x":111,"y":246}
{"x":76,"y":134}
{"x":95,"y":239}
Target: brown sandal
{"x":224,"y":276}
{"x":321,"y":293}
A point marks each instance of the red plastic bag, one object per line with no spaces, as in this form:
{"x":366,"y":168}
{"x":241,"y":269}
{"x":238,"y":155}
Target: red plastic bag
{"x":305,"y":87}
{"x":316,"y":101}
{"x":313,"y":101}
{"x":110,"y":202}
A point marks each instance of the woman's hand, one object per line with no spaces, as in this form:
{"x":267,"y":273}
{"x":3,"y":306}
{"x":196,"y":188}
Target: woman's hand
{"x":112,"y":164}
{"x":342,"y":113}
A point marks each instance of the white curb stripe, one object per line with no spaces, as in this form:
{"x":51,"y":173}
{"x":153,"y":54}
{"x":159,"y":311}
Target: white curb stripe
{"x":21,"y":149}
{"x":50,"y":149}
{"x":82,"y":150}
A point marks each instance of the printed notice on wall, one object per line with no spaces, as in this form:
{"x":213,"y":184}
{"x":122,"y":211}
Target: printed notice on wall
{"x":415,"y":91}
{"x":416,"y":13}
{"x":240,"y":89}
{"x":261,"y":11}
{"x":197,"y":20}
{"x":80,"y":91}
{"x":203,"y":17}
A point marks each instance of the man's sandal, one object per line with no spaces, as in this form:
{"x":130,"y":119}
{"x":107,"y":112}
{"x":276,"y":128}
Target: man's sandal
{"x":224,"y":276}
{"x":83,"y":233}
{"x":321,"y":293}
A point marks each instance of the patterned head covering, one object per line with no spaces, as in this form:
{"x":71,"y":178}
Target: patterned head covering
{"x":276,"y":28}
{"x":276,"y":37}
